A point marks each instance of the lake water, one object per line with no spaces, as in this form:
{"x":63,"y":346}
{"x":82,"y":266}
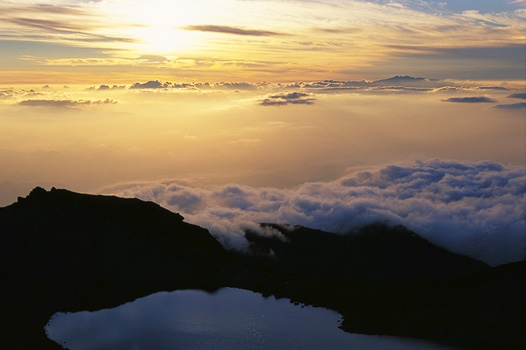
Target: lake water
{"x":228,"y":319}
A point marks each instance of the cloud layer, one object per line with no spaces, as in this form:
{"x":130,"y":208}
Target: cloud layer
{"x":477,"y":209}
{"x":65,"y":103}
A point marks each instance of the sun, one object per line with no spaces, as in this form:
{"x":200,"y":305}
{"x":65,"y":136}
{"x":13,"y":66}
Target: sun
{"x":157,"y":26}
{"x":164,"y":39}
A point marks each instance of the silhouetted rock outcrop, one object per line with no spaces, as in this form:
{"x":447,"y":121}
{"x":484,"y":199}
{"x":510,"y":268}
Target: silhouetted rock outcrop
{"x":64,"y":235}
{"x":61,"y":250}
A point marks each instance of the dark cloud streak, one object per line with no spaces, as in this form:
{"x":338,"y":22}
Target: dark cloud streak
{"x":66,"y":28}
{"x":512,"y":106}
{"x":230,"y":30}
{"x":283,"y":99}
{"x":521,"y":95}
{"x":480,"y":99}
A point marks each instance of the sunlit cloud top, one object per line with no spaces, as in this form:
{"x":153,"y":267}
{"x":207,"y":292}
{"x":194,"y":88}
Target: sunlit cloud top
{"x":264,"y":40}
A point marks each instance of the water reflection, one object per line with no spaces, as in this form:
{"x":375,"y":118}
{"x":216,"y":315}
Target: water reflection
{"x":227,"y":319}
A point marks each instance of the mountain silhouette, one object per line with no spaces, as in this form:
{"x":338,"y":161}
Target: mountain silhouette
{"x":377,"y":253}
{"x":61,"y":250}
{"x":64,"y":235}
{"x":408,"y":81}
{"x":65,"y":251}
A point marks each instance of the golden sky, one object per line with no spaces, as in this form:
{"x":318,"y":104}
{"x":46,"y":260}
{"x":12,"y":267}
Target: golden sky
{"x":121,"y":41}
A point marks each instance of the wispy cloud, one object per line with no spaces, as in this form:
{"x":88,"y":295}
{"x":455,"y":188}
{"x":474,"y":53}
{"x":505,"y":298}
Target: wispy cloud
{"x":65,"y":103}
{"x":230,"y":30}
{"x":21,"y":7}
{"x":69,"y":30}
{"x":512,"y":106}
{"x":56,"y":23}
{"x":314,"y":38}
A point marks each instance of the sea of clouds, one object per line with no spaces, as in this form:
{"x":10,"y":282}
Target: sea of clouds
{"x":477,"y":209}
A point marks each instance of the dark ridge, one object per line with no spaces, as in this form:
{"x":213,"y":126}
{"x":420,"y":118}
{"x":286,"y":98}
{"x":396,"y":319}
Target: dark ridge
{"x":376,"y":254}
{"x":61,"y":250}
{"x":388,"y":280}
{"x":61,"y":234}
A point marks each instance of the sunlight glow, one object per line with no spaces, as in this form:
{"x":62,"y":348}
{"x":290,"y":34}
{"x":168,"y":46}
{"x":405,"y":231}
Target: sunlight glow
{"x":156,"y":25}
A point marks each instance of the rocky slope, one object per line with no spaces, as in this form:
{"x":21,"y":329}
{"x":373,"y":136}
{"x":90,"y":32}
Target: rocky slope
{"x":61,"y":250}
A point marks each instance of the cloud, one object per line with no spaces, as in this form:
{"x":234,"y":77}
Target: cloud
{"x":153,"y":58}
{"x":68,"y":27}
{"x":401,"y":84}
{"x":236,"y":86}
{"x":65,"y":103}
{"x":6,"y":93}
{"x":521,"y":95}
{"x":51,"y":25}
{"x":394,"y":84}
{"x":230,"y":30}
{"x":480,"y":99}
{"x":44,"y":8}
{"x":475,"y":209}
{"x":10,"y":93}
{"x":114,"y":87}
{"x":286,"y":98}
{"x":152,"y":84}
{"x":105,"y":87}
{"x":512,"y":106}
{"x":500,"y":88}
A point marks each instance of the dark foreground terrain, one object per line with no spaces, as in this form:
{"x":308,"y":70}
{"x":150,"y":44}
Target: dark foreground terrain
{"x":64,"y":251}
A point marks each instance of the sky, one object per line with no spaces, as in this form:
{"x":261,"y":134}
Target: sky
{"x":252,"y":40}
{"x":209,"y":107}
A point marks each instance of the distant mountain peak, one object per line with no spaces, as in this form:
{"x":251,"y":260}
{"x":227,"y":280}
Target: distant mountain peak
{"x":408,"y":81}
{"x":404,"y":78}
